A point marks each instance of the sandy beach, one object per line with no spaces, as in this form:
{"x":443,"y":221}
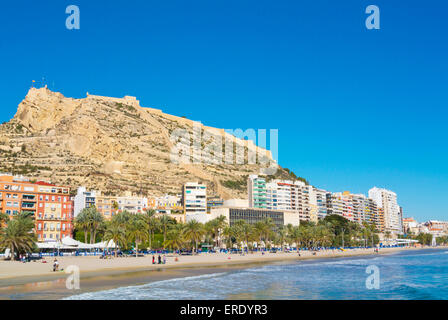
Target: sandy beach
{"x":17,"y":278}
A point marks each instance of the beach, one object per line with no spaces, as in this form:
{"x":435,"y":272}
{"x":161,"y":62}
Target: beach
{"x":100,"y":274}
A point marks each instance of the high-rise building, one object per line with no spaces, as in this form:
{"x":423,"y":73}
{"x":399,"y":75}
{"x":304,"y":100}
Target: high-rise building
{"x":285,"y":195}
{"x":387,"y":201}
{"x":319,"y":198}
{"x":194,"y":198}
{"x":256,"y":189}
{"x":355,"y":207}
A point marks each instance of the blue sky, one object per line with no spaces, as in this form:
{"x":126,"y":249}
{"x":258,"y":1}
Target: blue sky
{"x":355,"y":108}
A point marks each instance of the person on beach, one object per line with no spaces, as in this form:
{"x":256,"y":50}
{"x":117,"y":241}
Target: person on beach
{"x":159,"y":259}
{"x":153,"y":260}
{"x":164,"y":259}
{"x":55,"y":265}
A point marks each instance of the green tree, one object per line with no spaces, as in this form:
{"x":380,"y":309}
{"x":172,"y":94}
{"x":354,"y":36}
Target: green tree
{"x":194,"y":231}
{"x":164,"y":223}
{"x":116,"y":233}
{"x":151,"y":224}
{"x":136,"y":231}
{"x":18,"y":235}
{"x":175,"y":239}
{"x":82,"y":223}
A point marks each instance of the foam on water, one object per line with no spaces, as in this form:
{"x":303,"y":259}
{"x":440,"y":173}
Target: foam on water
{"x":416,"y":275}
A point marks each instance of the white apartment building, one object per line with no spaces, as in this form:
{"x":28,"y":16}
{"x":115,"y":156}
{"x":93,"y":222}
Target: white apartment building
{"x":83,"y":199}
{"x":106,"y":204}
{"x":392,"y":215}
{"x":194,"y":198}
{"x":132,"y":204}
{"x":284,"y":195}
{"x":319,"y":199}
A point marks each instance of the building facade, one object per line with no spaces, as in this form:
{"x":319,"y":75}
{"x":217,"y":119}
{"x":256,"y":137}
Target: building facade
{"x":194,"y":198}
{"x":109,"y":205}
{"x":392,"y":214}
{"x":253,"y":215}
{"x":50,"y":205}
{"x":256,"y":190}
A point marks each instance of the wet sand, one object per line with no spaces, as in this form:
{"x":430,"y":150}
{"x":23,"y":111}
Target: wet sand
{"x":35,"y":280}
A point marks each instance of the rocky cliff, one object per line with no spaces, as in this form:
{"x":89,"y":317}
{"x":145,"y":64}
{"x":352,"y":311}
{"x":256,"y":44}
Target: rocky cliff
{"x":114,"y":144}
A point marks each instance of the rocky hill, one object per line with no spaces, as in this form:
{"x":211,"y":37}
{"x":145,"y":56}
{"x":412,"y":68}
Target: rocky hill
{"x":114,"y":144}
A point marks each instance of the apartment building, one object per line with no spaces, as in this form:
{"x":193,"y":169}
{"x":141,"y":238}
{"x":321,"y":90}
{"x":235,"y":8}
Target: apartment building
{"x":284,"y":195}
{"x":256,"y":190}
{"x":194,"y":198}
{"x":166,"y":203}
{"x":392,"y":213}
{"x":319,"y":199}
{"x":51,"y":205}
{"x":109,"y":205}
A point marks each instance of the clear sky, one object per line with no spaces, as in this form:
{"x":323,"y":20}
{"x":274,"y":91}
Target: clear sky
{"x":355,"y":108}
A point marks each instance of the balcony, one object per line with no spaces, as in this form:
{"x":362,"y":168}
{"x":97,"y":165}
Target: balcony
{"x":28,"y":205}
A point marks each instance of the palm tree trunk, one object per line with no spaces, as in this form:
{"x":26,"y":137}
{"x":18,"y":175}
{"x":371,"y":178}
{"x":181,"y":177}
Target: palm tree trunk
{"x":85,"y":235}
{"x":164,"y":236}
{"x":94,"y":237}
{"x":115,"y":249}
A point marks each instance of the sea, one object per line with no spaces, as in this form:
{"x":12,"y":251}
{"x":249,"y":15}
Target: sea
{"x":406,"y":275}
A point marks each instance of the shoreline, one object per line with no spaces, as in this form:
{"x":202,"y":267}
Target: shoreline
{"x":29,"y":279}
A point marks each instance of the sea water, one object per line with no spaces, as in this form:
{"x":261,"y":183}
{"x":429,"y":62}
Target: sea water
{"x":404,"y":275}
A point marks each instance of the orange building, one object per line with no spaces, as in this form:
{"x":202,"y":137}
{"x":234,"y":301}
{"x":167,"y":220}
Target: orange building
{"x":51,"y":205}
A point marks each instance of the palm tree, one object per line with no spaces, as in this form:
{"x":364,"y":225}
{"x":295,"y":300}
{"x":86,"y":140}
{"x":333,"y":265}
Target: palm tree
{"x":122,"y":218}
{"x":4,"y":218}
{"x":152,"y":224}
{"x":136,"y":231}
{"x":282,"y":235}
{"x":296,"y":236}
{"x":164,"y":222}
{"x":82,"y":223}
{"x":217,"y":225}
{"x":116,"y":233}
{"x":95,"y":220}
{"x":245,"y":231}
{"x":115,"y":206}
{"x":175,"y":238}
{"x":228,"y":234}
{"x":18,"y":235}
{"x":193,"y":231}
{"x":260,"y":231}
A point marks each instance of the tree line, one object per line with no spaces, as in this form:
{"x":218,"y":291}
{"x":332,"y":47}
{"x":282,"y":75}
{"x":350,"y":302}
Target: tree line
{"x":133,"y":231}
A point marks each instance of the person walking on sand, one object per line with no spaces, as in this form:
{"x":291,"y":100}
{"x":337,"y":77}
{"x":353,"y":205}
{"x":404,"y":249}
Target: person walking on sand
{"x":153,"y":260}
{"x":55,"y":265}
{"x":159,"y":259}
{"x":164,"y":259}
